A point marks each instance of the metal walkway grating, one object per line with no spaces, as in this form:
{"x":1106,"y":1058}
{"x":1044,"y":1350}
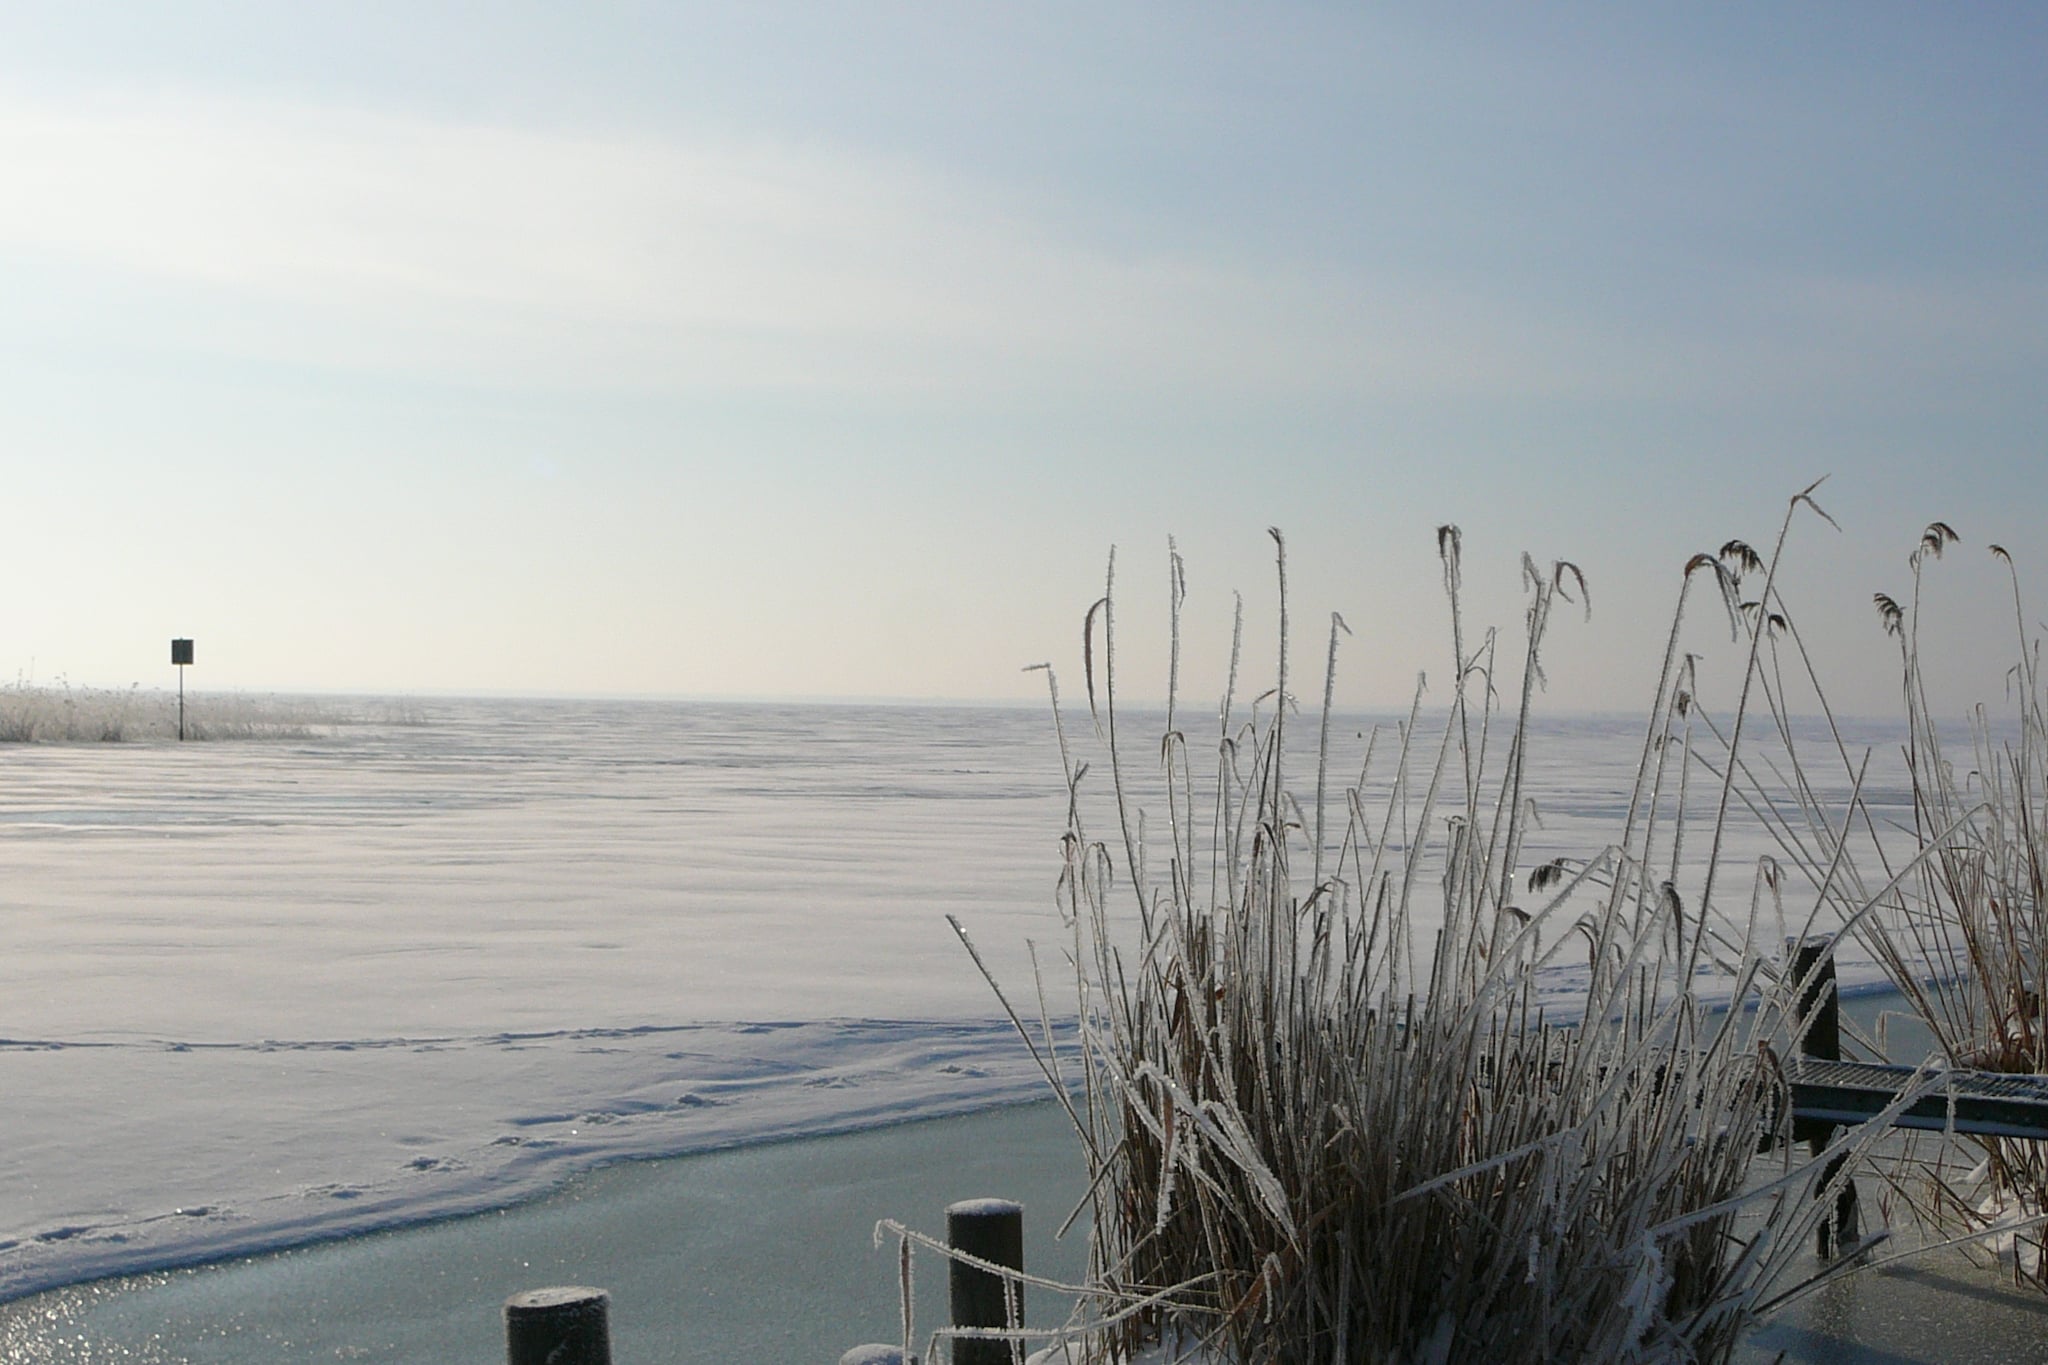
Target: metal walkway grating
{"x":1987,"y":1103}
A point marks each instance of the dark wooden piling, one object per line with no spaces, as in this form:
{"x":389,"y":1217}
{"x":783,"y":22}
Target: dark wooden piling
{"x":990,"y":1230}
{"x":565,"y":1325}
{"x":1819,"y":1011}
{"x":1819,"y":1014}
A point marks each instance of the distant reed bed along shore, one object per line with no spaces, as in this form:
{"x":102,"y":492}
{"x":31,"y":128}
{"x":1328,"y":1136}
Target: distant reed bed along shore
{"x":63,"y":714}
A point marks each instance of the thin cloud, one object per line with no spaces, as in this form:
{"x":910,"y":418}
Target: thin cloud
{"x":490,"y":254}
{"x":483,"y":251}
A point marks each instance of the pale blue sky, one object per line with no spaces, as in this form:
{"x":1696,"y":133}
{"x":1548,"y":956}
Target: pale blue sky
{"x":825,"y":350}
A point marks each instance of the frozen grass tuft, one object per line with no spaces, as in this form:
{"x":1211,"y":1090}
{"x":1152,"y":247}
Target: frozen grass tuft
{"x":1964,"y":929}
{"x":1316,"y":1133}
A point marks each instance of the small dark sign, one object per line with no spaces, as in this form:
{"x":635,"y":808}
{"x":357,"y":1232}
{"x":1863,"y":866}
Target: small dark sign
{"x":181,"y":651}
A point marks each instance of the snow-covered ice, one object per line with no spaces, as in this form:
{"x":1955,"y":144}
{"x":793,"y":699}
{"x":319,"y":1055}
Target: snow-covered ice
{"x":257,"y":993}
{"x":254,"y":993}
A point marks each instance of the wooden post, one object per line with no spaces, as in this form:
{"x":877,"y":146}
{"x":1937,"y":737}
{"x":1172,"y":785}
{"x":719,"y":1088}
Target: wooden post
{"x":1819,"y":1013}
{"x":560,"y":1326}
{"x":1813,"y":967}
{"x":990,"y":1230}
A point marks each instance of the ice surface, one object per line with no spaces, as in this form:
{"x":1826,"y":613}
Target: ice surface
{"x":232,"y":1149}
{"x":256,"y":993}
{"x":253,"y":994}
{"x":762,"y":1253}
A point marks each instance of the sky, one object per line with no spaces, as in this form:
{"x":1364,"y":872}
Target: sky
{"x":827,"y":350}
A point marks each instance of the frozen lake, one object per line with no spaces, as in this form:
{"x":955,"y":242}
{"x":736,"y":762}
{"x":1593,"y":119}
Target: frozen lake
{"x":257,"y":993}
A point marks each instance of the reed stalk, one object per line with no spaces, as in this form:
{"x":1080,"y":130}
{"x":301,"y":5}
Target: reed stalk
{"x":1965,"y":934}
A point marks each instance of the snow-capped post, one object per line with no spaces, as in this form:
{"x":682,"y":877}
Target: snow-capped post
{"x":990,"y":1230}
{"x":876,"y":1355}
{"x":564,"y":1325}
{"x":1819,"y":1015}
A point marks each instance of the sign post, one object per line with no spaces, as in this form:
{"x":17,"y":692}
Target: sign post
{"x":181,"y":654}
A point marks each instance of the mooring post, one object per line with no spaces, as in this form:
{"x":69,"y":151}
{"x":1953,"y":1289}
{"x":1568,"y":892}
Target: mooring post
{"x":564,"y":1325}
{"x":989,"y":1230}
{"x":1819,"y":1014}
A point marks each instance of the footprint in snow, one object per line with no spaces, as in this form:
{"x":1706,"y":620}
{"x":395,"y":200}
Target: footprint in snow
{"x":432,"y":1163}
